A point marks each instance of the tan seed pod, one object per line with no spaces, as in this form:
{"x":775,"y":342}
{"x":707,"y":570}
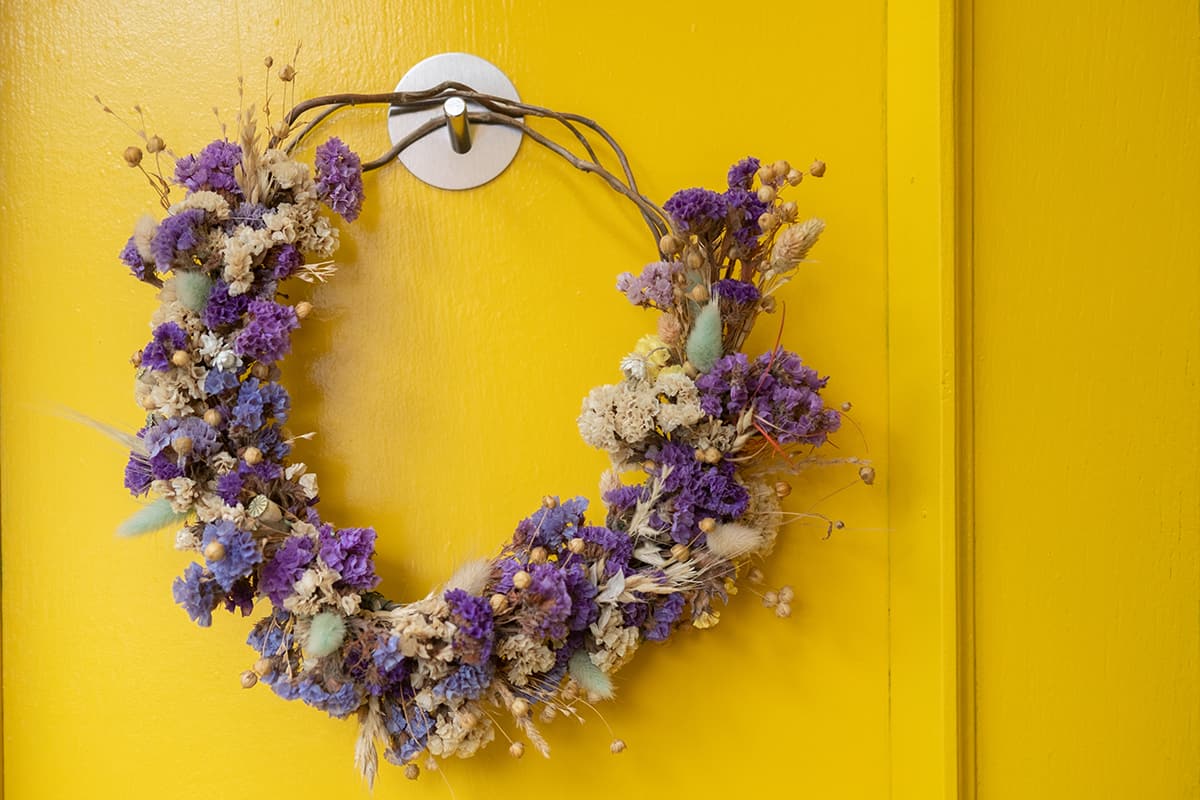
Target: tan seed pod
{"x":252,"y":455}
{"x":817,"y":168}
{"x":617,"y":746}
{"x":214,"y":551}
{"x":521,"y":580}
{"x":412,"y":771}
{"x":516,"y":749}
{"x":133,"y":156}
{"x":249,"y":679}
{"x":212,"y":417}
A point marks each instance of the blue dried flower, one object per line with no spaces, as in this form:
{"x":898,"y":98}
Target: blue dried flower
{"x":241,"y":552}
{"x":197,"y":592}
{"x":551,"y":527}
{"x":468,"y":682}
{"x":472,"y":616}
{"x":664,"y":615}
{"x":741,"y":293}
{"x":132,"y":258}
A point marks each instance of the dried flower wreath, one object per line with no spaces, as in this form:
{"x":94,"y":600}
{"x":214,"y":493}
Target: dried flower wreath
{"x":698,"y":433}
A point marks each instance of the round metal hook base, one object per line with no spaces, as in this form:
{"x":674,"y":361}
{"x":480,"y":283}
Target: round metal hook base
{"x":490,"y":148}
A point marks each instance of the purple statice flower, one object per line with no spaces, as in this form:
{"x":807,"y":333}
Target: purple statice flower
{"x":696,"y":210}
{"x":224,"y":309}
{"x":351,"y":552}
{"x":166,"y":466}
{"x":741,"y":175}
{"x":741,"y":293}
{"x":410,"y":726}
{"x":197,"y":592}
{"x":654,"y":288}
{"x":468,"y":682}
{"x":167,"y":432}
{"x":267,"y":336}
{"x":241,"y":552}
{"x":635,"y":614}
{"x":582,"y":591}
{"x":617,"y":547}
{"x":229,"y":487}
{"x":509,"y":567}
{"x":623,"y":498}
{"x":551,"y":527}
{"x":284,"y":260}
{"x":472,"y":616}
{"x":165,"y":340}
{"x":726,"y":388}
{"x":131,"y":258}
{"x":138,"y":474}
{"x":219,"y":380}
{"x":744,"y":210}
{"x":250,"y":214}
{"x":177,"y":235}
{"x":271,"y":441}
{"x":232,"y":485}
{"x":259,"y":402}
{"x":211,"y":169}
{"x":339,"y":178}
{"x":700,"y":490}
{"x":545,"y":604}
{"x":285,"y":568}
{"x":663,"y":616}
{"x":788,"y":402}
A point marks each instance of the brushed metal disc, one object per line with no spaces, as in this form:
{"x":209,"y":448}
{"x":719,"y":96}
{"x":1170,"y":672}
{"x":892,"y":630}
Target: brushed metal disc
{"x":432,"y":159}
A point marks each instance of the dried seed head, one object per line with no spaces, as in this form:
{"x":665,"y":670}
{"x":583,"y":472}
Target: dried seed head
{"x":781,"y":168}
{"x":670,"y":245}
{"x":155,"y":144}
{"x":698,"y":454}
{"x":181,"y":358}
{"x":699,"y":293}
{"x":287,"y":73}
{"x":788,"y":211}
{"x":522,"y":579}
{"x":549,"y":501}
{"x":303,"y":309}
{"x":786,"y":594}
{"x":693,"y":259}
{"x":712,"y":455}
{"x":133,"y":156}
{"x":681,"y":552}
{"x":249,"y":679}
{"x":538,"y":555}
{"x":867,"y":474}
{"x":766,"y":173}
{"x":576,"y":545}
{"x":817,"y":168}
{"x":214,"y":551}
{"x":617,"y":746}
{"x":782,"y":489}
{"x":212,"y":417}
{"x":783,"y":610}
{"x":669,"y":329}
{"x":768,"y":304}
{"x":708,"y":525}
{"x":846,"y":406}
{"x":262,"y":666}
{"x":766,"y":194}
{"x":519,"y":707}
{"x":182,"y":445}
{"x":280,"y":129}
{"x":252,"y":455}
{"x":268,"y":62}
{"x":755,"y":575}
{"x":412,"y":771}
{"x":794,"y":176}
{"x":260,"y":371}
{"x":516,"y":749}
{"x":498,"y":602}
{"x":771,"y":599}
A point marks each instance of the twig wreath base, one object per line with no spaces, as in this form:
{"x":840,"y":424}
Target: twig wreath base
{"x":699,"y":435}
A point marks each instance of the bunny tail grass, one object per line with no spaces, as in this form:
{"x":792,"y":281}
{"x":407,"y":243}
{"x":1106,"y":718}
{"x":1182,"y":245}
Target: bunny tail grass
{"x":154,"y":517}
{"x":589,"y":677}
{"x":326,"y":634}
{"x":704,"y":343}
{"x":192,"y":288}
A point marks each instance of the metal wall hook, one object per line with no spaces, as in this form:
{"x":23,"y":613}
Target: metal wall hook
{"x":476,"y":153}
{"x":457,"y":124}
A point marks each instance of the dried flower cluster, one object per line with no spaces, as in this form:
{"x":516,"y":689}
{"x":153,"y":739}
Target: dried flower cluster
{"x":545,"y":623}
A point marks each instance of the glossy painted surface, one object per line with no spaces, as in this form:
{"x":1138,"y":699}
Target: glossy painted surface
{"x":443,"y":370}
{"x":1087,"y":452}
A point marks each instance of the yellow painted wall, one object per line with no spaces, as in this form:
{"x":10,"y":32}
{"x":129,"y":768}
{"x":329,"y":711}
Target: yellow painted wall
{"x":444,"y":370}
{"x":1086,"y":344}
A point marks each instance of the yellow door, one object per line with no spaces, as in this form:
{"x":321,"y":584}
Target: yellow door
{"x":1007,"y":292}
